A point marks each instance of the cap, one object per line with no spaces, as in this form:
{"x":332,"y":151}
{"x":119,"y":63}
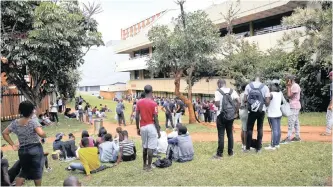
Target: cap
{"x":59,"y":136}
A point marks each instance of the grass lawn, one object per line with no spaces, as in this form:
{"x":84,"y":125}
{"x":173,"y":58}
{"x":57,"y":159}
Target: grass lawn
{"x":297,"y":164}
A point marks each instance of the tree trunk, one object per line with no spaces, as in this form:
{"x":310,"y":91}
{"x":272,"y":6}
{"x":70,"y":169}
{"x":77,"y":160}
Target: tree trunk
{"x":187,"y":101}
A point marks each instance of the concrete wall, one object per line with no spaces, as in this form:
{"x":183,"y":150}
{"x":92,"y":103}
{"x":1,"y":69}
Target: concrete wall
{"x":113,"y":88}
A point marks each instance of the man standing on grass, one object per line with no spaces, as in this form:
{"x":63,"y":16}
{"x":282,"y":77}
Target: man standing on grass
{"x":294,"y":95}
{"x":147,"y":126}
{"x":224,"y":100}
{"x":120,"y":112}
{"x":168,"y":115}
{"x":255,"y":95}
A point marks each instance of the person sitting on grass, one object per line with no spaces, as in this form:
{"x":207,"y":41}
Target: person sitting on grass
{"x":68,"y":114}
{"x":127,"y":150}
{"x":70,"y":146}
{"x":180,"y":148}
{"x":174,"y":133}
{"x":8,"y":175}
{"x":88,"y":156}
{"x":85,"y":134}
{"x":40,"y":120}
{"x":59,"y":147}
{"x":108,"y":150}
{"x":119,"y":136}
{"x":101,"y":133}
{"x":72,"y":181}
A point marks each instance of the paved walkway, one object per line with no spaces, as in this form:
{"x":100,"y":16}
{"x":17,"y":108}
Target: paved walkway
{"x":308,"y":133}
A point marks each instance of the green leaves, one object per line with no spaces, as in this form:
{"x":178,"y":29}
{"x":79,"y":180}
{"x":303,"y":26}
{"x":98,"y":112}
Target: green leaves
{"x":51,"y":46}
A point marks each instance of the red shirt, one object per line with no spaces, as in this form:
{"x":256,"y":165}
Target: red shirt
{"x":147,"y":109}
{"x":211,"y":106}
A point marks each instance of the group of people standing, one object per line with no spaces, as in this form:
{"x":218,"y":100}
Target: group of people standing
{"x":256,"y":101}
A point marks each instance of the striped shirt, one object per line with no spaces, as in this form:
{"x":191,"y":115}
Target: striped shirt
{"x":128,"y":147}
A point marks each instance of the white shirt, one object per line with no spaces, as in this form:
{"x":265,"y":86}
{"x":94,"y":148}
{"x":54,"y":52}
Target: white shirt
{"x":219,"y":97}
{"x":80,"y":107}
{"x":54,"y":108}
{"x":60,"y":102}
{"x":273,"y":110}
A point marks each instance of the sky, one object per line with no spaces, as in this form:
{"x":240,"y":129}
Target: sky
{"x":99,"y":66}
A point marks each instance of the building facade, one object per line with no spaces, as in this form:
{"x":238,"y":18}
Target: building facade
{"x":117,"y":90}
{"x":256,"y":21}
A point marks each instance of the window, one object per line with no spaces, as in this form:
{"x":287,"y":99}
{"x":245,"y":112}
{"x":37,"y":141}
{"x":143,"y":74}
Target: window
{"x":146,"y":74}
{"x":141,"y":52}
{"x":136,"y":75}
{"x":270,"y":24}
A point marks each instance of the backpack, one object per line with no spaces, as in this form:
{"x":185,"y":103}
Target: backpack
{"x":255,"y":99}
{"x":228,"y":109}
{"x":163,"y":163}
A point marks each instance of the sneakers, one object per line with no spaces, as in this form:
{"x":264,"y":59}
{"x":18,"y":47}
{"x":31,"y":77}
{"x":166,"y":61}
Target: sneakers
{"x":48,"y":169}
{"x":270,"y":148}
{"x":285,"y":141}
{"x":246,"y":151}
{"x":277,"y":146}
{"x":296,"y":139}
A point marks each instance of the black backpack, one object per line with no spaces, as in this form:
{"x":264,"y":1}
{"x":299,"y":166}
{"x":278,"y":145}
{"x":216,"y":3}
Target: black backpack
{"x":255,"y":99}
{"x":228,"y":109}
{"x":163,"y":163}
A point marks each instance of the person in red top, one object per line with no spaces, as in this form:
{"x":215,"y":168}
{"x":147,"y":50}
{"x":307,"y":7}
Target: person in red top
{"x":147,"y":126}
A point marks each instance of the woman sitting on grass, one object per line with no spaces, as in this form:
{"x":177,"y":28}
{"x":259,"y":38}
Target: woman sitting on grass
{"x":100,"y":139}
{"x":127,"y":150}
{"x":85,"y":134}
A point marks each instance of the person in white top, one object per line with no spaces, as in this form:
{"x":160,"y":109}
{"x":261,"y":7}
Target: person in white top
{"x":225,"y":100}
{"x":60,"y":105}
{"x":54,"y":111}
{"x":274,"y":115}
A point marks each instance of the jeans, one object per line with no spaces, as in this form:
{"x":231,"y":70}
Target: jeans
{"x":275,"y":124}
{"x":207,"y":116}
{"x":178,"y":116}
{"x":252,"y":118}
{"x":224,"y":125}
{"x":168,"y":117}
{"x":293,"y":122}
{"x":77,"y":166}
{"x":121,"y":118}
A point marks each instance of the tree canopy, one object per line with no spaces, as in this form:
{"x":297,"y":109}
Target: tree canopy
{"x":46,"y":41}
{"x":186,"y":51}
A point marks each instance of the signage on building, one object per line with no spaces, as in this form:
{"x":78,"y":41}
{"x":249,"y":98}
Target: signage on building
{"x":133,"y":85}
{"x":136,"y":28}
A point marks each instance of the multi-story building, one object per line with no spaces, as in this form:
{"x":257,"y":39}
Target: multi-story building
{"x":256,"y":21}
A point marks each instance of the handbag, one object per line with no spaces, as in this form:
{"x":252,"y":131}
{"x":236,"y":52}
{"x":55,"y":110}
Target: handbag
{"x":285,"y":107}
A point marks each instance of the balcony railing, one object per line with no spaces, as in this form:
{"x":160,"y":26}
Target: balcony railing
{"x":139,"y":56}
{"x":276,"y":28}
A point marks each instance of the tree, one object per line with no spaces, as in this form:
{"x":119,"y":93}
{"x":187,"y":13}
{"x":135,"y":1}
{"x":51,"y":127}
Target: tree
{"x":46,"y":41}
{"x":187,"y":51}
{"x":317,"y":36}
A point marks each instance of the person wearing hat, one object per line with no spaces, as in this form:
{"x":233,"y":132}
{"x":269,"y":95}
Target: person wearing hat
{"x":59,"y":147}
{"x":180,"y":148}
{"x":329,"y":119}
